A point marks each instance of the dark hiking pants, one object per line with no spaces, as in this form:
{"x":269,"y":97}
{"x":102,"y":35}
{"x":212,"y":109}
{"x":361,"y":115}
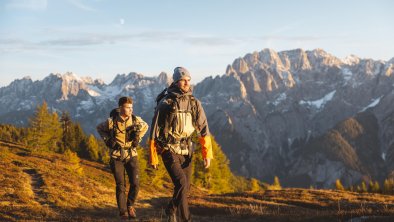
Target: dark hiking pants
{"x":118,"y":169}
{"x":179,"y":168}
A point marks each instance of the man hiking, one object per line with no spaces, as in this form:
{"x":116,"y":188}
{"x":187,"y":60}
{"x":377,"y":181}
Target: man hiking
{"x":177,"y":116}
{"x":122,"y":133}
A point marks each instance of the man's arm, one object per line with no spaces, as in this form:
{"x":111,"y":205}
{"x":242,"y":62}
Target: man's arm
{"x":105,"y":134}
{"x":205,"y":139}
{"x":103,"y":130}
{"x":153,"y":158}
{"x":144,"y":127}
{"x":156,"y":131}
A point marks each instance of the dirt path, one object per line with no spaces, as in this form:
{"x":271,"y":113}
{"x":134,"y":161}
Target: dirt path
{"x":36,"y":183}
{"x":35,"y":180}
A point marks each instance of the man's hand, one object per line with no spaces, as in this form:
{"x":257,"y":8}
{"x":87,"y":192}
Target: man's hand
{"x":135,"y":142}
{"x":111,"y":143}
{"x":207,"y":163}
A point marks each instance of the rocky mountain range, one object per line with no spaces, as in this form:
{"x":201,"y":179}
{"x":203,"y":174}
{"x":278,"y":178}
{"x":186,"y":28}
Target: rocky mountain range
{"x":305,"y":116}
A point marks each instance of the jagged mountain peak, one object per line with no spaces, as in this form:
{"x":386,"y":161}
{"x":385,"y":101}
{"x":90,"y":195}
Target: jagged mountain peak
{"x":26,"y":78}
{"x":290,"y":60}
{"x":320,"y":58}
{"x":319,"y":51}
{"x":17,"y":86}
{"x":229,"y":69}
{"x":121,"y":79}
{"x":71,"y":76}
{"x":251,"y":61}
{"x":240,"y":65}
{"x":269,"y":58}
{"x":134,"y":75}
{"x":67,"y":76}
{"x":272,"y":72}
{"x":53,"y":76}
{"x":164,"y":78}
{"x":295,"y":60}
{"x":351,"y":60}
{"x":71,"y":84}
{"x":91,"y":81}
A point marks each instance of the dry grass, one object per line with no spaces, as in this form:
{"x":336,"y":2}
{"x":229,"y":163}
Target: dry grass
{"x":49,"y":187}
{"x":298,"y":205}
{"x":44,"y":187}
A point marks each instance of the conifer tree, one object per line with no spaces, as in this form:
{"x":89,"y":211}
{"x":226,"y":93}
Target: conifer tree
{"x":388,"y":186}
{"x":370,"y":187}
{"x":67,"y":138}
{"x":91,"y":146}
{"x":79,"y":139}
{"x":55,"y":131}
{"x":338,"y":185}
{"x":74,"y":160}
{"x":12,"y":134}
{"x":36,"y":127}
{"x":254,"y":185}
{"x":376,"y":187}
{"x":218,"y":177}
{"x":363,"y":187}
{"x":103,"y":151}
{"x":44,"y":131}
{"x":277,"y":183}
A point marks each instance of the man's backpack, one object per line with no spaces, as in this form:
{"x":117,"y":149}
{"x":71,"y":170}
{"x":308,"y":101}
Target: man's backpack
{"x":132,"y":132}
{"x":173,"y":118}
{"x":164,"y":94}
{"x":161,"y":96}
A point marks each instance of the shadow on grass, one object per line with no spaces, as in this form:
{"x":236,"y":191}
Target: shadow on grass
{"x":153,"y":210}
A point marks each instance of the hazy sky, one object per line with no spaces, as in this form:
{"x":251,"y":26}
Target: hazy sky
{"x":101,"y":38}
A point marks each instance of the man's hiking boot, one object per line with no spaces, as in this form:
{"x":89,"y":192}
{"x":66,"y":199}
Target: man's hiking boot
{"x":131,"y":212}
{"x":171,"y":216}
{"x":124,"y":217}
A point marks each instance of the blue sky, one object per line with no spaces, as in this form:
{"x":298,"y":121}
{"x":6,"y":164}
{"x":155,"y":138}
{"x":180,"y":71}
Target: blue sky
{"x":101,"y":38}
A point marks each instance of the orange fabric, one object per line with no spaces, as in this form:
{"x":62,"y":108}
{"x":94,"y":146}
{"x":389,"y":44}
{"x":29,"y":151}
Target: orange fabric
{"x":206,"y":147}
{"x":153,"y":159}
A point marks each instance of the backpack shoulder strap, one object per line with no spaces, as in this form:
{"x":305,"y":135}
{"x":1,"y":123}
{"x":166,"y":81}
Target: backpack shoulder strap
{"x":171,"y":115}
{"x":112,"y":123}
{"x":161,"y":96}
{"x":134,"y":120}
{"x":193,"y":103}
{"x":111,"y":126}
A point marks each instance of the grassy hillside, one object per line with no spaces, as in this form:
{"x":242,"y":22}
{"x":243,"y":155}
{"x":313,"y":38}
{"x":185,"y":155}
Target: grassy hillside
{"x":53,"y":187}
{"x":49,"y":186}
{"x":296,"y":205}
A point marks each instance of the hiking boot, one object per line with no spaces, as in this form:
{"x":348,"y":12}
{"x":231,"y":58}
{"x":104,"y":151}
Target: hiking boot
{"x":171,"y":216}
{"x":124,"y":217}
{"x":131,"y":212}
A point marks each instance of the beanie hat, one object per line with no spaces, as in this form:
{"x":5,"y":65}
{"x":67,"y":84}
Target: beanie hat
{"x":180,"y":73}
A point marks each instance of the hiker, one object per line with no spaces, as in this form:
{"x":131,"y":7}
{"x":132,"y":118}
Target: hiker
{"x":122,"y":133}
{"x":178,"y":115}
